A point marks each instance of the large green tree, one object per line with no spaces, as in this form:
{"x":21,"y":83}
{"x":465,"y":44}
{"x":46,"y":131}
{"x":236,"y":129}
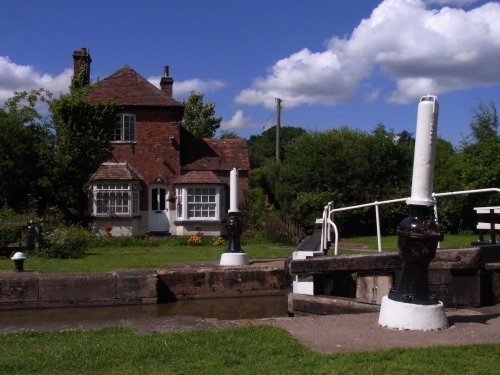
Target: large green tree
{"x":263,"y":146}
{"x":484,"y":125}
{"x":199,"y":116}
{"x":479,"y":161}
{"x":26,"y":141}
{"x":83,"y":133}
{"x":345,"y":166}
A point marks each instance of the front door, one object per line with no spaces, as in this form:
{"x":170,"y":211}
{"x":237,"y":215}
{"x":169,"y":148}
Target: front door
{"x":158,"y":208}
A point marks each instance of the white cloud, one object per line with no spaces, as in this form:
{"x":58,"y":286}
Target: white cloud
{"x":14,"y":77}
{"x":419,"y":48}
{"x":238,"y":121}
{"x":457,"y":3}
{"x":183,"y":88}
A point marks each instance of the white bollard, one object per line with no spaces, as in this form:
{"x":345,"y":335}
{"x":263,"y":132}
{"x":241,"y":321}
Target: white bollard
{"x":233,"y":190}
{"x":425,"y":152}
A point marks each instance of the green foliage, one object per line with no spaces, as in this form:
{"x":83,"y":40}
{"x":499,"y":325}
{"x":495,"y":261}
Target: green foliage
{"x":67,"y":242}
{"x":345,"y":166}
{"x":199,"y":116}
{"x":263,"y":147}
{"x":229,"y":134}
{"x":478,"y":165}
{"x":26,"y":141}
{"x":484,"y":123}
{"x":257,"y":207}
{"x":8,"y":233}
{"x":83,"y":130}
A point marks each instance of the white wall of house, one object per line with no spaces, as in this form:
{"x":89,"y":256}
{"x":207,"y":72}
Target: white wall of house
{"x":136,"y":226}
{"x":120,"y":227}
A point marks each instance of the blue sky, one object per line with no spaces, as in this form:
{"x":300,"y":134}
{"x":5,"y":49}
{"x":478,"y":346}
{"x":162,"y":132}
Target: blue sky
{"x":345,"y":62}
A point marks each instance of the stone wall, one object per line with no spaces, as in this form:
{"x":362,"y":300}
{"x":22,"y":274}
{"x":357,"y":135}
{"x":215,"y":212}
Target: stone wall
{"x":141,"y":286}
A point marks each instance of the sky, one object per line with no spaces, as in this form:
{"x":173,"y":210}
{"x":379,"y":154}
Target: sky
{"x":355,"y":63}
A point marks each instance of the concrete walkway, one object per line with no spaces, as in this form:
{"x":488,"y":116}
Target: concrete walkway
{"x":361,"y":332}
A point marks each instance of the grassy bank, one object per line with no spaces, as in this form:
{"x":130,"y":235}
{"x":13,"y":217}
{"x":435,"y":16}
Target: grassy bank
{"x":246,"y":350}
{"x":119,"y":253}
{"x":390,"y":243}
{"x":146,"y":253}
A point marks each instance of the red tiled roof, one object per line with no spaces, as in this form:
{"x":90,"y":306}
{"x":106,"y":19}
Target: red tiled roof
{"x":198,"y":177}
{"x":116,"y":171}
{"x":127,"y":87}
{"x":213,"y":154}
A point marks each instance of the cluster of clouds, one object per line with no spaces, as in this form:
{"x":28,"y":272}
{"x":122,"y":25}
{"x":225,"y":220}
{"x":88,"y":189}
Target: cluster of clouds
{"x":417,"y":48}
{"x":15,"y":77}
{"x":403,"y":49}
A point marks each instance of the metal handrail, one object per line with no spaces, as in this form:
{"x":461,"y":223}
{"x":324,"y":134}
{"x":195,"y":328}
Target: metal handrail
{"x":328,"y":223}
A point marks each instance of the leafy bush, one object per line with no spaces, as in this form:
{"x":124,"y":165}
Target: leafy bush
{"x":195,"y":240}
{"x":67,"y":242}
{"x":217,"y":241}
{"x":10,"y":233}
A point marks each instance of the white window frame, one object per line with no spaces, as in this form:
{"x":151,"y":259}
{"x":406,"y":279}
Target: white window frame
{"x":125,"y":128}
{"x":194,"y":201}
{"x":112,"y":198}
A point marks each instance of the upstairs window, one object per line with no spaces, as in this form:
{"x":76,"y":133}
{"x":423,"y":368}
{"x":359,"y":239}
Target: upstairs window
{"x":124,"y":128}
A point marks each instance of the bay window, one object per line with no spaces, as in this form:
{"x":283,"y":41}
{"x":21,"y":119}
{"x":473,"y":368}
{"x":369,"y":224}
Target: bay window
{"x":114,"y":199}
{"x":199,"y":202}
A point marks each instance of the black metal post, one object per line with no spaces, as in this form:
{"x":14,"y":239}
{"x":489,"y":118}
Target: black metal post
{"x":19,"y":265}
{"x":418,"y":236}
{"x":234,"y":228}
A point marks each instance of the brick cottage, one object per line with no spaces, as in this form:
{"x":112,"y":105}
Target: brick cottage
{"x":159,"y":177}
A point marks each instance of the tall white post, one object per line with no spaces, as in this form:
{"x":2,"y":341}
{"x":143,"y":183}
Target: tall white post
{"x":233,"y":190}
{"x":425,"y":152}
{"x":234,"y":255}
{"x":410,"y":306}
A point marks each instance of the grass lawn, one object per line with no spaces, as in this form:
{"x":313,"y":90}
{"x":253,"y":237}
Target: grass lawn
{"x":245,"y":350}
{"x":390,"y":243}
{"x":134,"y":253}
{"x":156,"y":253}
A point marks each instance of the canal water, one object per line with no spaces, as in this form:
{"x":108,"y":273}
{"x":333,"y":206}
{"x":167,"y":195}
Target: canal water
{"x":216,"y":308}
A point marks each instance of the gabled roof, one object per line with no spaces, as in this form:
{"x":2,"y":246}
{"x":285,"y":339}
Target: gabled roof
{"x":116,"y":171}
{"x":127,"y":87}
{"x":198,"y":177}
{"x":199,"y":154}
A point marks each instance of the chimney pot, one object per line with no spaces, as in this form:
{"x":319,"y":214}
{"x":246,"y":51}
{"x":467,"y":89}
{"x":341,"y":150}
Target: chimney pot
{"x":167,"y":82}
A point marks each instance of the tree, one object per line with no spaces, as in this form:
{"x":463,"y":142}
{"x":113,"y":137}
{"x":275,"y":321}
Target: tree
{"x":83,"y":133}
{"x":348,"y":167}
{"x":484,"y":123}
{"x":262,"y":147}
{"x":26,"y":140}
{"x":199,"y":116}
{"x":229,"y":134}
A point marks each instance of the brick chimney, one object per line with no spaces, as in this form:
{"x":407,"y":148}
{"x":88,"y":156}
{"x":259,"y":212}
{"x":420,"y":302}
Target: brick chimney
{"x":167,"y":82}
{"x":81,"y":68}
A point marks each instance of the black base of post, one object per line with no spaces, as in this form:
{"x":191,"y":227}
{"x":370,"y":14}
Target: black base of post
{"x":19,"y":265}
{"x":234,"y":228}
{"x":418,"y":236}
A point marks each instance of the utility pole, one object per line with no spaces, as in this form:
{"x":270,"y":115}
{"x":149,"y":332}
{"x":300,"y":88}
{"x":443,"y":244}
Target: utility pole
{"x":278,"y":125}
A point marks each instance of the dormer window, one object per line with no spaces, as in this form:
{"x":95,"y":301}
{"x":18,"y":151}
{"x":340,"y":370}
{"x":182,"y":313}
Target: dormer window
{"x":124,"y":128}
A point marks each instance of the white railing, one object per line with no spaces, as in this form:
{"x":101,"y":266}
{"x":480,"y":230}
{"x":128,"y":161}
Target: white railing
{"x":328,"y":223}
